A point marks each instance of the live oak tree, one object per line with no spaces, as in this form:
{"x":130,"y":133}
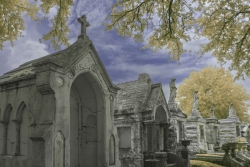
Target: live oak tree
{"x":168,"y":23}
{"x":225,"y":24}
{"x":12,"y":22}
{"x":216,"y":88}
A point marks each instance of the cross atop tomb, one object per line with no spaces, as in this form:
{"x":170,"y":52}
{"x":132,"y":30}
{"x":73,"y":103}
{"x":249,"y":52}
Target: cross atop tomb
{"x":84,"y":24}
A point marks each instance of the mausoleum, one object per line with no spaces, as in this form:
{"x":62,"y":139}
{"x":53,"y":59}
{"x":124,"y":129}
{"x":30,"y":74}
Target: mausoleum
{"x":230,"y":127}
{"x":58,"y":110}
{"x":212,"y":131}
{"x":142,"y":120}
{"x":178,"y":118}
{"x":195,"y":128}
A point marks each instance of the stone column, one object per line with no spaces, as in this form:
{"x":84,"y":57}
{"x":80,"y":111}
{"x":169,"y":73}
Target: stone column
{"x":18,"y":122}
{"x":233,"y":147}
{"x":156,"y":137}
{"x":137,"y":137}
{"x":5,"y":127}
{"x":150,"y":125}
{"x":165,"y":136}
{"x":150,"y":138}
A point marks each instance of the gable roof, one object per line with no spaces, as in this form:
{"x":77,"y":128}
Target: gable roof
{"x":63,"y":59}
{"x":139,"y":95}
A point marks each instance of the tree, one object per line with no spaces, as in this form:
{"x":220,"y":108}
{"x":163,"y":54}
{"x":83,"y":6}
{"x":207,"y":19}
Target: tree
{"x":12,"y":22}
{"x":224,"y":23}
{"x":216,"y":88}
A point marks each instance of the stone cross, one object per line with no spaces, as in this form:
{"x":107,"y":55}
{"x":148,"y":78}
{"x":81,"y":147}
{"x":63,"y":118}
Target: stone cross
{"x":84,"y":24}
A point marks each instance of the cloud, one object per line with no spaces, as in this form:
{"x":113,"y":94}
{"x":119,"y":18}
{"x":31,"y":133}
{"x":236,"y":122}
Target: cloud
{"x":123,"y":57}
{"x":30,"y":50}
{"x":25,"y":48}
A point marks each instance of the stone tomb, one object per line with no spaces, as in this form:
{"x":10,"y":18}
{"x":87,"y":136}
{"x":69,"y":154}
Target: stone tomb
{"x":177,"y":119}
{"x":245,"y":131}
{"x":142,"y":120}
{"x":230,"y":128}
{"x":195,"y":128}
{"x":212,"y":131}
{"x":58,"y":110}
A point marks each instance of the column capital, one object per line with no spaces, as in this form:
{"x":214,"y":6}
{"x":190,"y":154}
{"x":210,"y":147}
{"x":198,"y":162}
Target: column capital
{"x":4,"y":122}
{"x":16,"y":121}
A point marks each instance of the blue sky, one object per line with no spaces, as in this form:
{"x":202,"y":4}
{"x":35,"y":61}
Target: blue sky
{"x":123,"y":58}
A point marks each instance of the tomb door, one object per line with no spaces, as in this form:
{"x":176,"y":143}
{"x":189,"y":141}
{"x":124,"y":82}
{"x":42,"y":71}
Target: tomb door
{"x":215,"y":134}
{"x":87,"y":118}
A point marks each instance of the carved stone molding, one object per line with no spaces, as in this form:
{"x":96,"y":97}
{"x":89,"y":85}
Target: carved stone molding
{"x":160,"y":100}
{"x":44,"y":74}
{"x":46,"y":66}
{"x":43,"y":82}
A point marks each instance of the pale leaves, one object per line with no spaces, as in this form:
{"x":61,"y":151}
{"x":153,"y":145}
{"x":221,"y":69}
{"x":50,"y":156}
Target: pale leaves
{"x":225,"y":24}
{"x":216,"y":88}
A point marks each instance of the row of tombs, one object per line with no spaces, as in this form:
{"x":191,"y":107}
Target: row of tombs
{"x":63,"y":110}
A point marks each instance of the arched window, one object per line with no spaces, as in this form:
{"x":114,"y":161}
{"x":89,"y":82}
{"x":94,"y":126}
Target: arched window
{"x":8,"y":131}
{"x":11,"y":135}
{"x":23,"y":122}
{"x":112,"y":150}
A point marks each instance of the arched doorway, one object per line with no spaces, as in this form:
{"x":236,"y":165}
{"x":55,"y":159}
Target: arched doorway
{"x":160,"y":119}
{"x":86,"y":122}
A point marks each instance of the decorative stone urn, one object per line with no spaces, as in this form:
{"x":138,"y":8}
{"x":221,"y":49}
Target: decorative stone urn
{"x":184,"y":151}
{"x":233,"y":146}
{"x":242,"y":147}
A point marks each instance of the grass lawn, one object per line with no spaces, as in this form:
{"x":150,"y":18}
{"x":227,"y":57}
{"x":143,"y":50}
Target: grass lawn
{"x":196,"y":163}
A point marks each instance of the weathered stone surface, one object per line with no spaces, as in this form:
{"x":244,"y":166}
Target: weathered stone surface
{"x":67,"y":93}
{"x":59,"y":150}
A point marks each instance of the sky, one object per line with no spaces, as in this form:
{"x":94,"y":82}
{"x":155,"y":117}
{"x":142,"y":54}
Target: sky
{"x":123,"y":57}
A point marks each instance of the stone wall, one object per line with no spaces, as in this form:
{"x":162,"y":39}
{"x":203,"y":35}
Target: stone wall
{"x":227,"y":132}
{"x":32,"y":116}
{"x":191,"y":134}
{"x":193,"y":130}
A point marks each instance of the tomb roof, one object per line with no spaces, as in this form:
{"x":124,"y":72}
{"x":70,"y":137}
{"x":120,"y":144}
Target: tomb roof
{"x":63,"y":60}
{"x":139,"y":94}
{"x":230,"y":120}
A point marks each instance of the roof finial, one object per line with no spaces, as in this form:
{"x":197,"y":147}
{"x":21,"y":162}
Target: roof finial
{"x":84,"y":24}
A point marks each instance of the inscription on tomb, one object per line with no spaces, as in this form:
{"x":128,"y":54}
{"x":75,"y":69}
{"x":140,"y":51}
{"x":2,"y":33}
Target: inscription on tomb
{"x":86,"y":63}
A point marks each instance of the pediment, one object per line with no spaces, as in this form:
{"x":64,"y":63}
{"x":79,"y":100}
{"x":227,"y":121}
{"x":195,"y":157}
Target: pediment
{"x":156,"y":99}
{"x":89,"y":60}
{"x":80,"y":55}
{"x":88,"y":64}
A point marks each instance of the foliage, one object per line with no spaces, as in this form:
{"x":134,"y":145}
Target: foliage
{"x":216,"y":88}
{"x":196,"y":163}
{"x":12,"y":22}
{"x":225,"y":24}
